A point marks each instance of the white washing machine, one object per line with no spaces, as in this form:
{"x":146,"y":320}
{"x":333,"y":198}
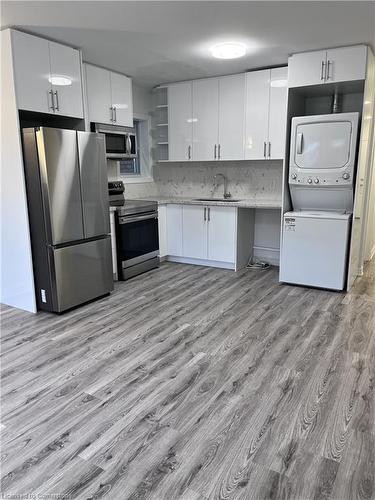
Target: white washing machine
{"x":314,"y":249}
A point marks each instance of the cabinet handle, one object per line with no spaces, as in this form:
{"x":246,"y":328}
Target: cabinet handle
{"x":208,"y":214}
{"x":204,"y":215}
{"x":269,"y":150}
{"x":328,"y":76}
{"x":264,"y":148}
{"x":215,"y":147}
{"x":219,"y":151}
{"x":322,"y":71}
{"x":115,"y":114}
{"x":189,"y":152}
{"x":57,"y":108}
{"x":52,"y":106}
{"x":111,"y":111}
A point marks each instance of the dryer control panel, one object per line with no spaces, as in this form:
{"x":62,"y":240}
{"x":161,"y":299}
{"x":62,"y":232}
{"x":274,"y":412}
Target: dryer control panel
{"x":320,"y":178}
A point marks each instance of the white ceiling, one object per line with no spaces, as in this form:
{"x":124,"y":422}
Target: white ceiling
{"x":157,"y":42}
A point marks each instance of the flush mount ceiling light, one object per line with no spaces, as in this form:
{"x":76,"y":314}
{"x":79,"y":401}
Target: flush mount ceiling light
{"x":60,"y":80}
{"x":279,"y":83}
{"x":228,"y":50}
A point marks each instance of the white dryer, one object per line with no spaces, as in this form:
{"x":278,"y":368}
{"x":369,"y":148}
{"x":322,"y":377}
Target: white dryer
{"x":322,"y":161}
{"x":314,"y":249}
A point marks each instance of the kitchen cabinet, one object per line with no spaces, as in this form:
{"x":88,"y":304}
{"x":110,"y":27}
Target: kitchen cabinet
{"x":221,"y":233}
{"x":47,"y":76}
{"x":194,"y":232}
{"x":180,"y":121}
{"x":327,"y":66}
{"x":174,"y":229}
{"x":231,"y":117}
{"x":109,"y":97}
{"x":209,"y":233}
{"x":205,"y":119}
{"x":68,"y":98}
{"x":266,"y":110}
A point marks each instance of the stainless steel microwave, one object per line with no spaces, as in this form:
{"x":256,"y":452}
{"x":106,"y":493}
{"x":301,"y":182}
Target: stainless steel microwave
{"x":120,"y":142}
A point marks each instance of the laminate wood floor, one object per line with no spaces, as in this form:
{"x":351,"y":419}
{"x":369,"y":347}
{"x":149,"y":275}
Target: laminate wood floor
{"x":193,"y":383}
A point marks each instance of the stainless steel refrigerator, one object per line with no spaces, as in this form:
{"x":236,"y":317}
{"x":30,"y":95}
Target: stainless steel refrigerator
{"x":67,"y":193}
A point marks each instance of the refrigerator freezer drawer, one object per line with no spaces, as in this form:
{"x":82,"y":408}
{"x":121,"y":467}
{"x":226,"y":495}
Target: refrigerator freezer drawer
{"x":314,"y":251}
{"x":82,"y":272}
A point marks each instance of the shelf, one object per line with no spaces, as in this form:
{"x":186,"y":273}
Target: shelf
{"x":162,"y":143}
{"x":159,"y":106}
{"x":162,"y":125}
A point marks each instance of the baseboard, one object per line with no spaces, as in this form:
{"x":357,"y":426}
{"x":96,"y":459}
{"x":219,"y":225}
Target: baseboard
{"x":267,"y":254}
{"x":200,"y":262}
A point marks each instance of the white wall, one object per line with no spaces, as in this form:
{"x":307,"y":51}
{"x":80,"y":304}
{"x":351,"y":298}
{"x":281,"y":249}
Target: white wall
{"x":17,"y":280}
{"x":142,"y":100}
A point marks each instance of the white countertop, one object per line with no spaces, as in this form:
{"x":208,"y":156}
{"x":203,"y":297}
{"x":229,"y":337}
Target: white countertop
{"x":242,"y":203}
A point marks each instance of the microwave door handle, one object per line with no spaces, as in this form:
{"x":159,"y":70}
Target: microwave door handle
{"x":128,"y":146}
{"x":299,"y":143}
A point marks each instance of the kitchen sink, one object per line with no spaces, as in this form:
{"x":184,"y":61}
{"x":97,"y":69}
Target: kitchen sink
{"x":227,"y":200}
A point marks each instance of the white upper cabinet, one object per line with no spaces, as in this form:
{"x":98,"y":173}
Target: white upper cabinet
{"x":346,"y":64}
{"x":109,"y":97}
{"x":257,"y":104}
{"x":122,"y":99}
{"x":277,"y":112}
{"x":307,"y":68}
{"x":99,"y":94}
{"x":180,"y":121}
{"x":328,"y":66}
{"x":231,"y":117}
{"x":205,"y":119}
{"x":47,"y":76}
{"x":66,"y":62}
{"x":222,"y":227}
{"x":266,"y":109}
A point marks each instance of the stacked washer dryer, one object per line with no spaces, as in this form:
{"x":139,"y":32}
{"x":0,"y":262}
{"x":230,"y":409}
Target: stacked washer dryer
{"x":316,"y":233}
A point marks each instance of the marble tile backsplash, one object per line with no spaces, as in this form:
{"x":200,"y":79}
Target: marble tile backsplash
{"x":259,"y":179}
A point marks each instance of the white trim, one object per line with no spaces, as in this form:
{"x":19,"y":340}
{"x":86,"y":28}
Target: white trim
{"x":270,"y":255}
{"x":146,"y":173}
{"x":200,"y":262}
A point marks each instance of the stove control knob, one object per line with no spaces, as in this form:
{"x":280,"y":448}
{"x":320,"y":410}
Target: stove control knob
{"x":346,"y":176}
{"x":294,"y":176}
{"x":309,"y":180}
{"x":316,"y":181}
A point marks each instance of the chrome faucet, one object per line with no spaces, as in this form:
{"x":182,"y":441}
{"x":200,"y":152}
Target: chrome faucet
{"x":225,"y":182}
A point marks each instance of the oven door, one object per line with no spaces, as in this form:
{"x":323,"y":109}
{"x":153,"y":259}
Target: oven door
{"x":137,"y":238}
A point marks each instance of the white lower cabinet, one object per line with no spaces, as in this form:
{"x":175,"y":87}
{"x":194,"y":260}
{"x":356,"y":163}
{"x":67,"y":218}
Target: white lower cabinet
{"x":174,"y":230}
{"x":209,"y":233}
{"x":222,"y":234}
{"x":194,"y":231}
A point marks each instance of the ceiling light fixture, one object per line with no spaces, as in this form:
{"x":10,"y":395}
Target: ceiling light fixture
{"x":279,"y":83}
{"x":228,"y":50}
{"x":60,"y":80}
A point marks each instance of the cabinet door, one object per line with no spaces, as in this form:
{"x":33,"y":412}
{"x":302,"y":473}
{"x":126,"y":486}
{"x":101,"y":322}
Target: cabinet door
{"x":346,"y":63}
{"x":277,"y":113}
{"x":194,"y":231}
{"x":180,"y":121}
{"x":222,"y":234}
{"x":257,"y":105}
{"x":174,"y":230}
{"x":122,"y":99}
{"x":98,"y":94}
{"x":231,"y":117}
{"x":306,"y":68}
{"x":32,"y":72}
{"x":65,"y":62}
{"x":205,"y":119}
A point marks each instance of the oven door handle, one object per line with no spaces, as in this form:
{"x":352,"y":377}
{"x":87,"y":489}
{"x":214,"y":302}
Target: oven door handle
{"x":127,"y":219}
